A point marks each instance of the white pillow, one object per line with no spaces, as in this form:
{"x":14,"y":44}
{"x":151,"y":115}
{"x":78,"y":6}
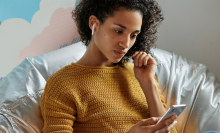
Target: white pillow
{"x":53,"y":61}
{"x":21,"y":89}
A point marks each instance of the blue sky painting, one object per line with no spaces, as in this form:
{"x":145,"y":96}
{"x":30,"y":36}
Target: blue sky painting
{"x":24,"y":9}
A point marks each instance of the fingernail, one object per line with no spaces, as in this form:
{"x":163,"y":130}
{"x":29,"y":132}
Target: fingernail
{"x":135,"y":53}
{"x":175,"y":122}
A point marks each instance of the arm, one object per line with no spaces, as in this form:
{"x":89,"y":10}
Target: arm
{"x":144,"y":69}
{"x":155,"y":104}
{"x":58,"y":109}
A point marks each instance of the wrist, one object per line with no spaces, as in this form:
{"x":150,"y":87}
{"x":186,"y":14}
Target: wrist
{"x":149,"y":87}
{"x":148,"y":83}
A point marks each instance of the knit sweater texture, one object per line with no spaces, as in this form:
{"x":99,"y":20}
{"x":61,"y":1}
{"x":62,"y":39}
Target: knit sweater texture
{"x":93,"y":99}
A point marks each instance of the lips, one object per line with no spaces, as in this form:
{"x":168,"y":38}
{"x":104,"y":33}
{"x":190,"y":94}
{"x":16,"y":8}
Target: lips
{"x":120,"y":53}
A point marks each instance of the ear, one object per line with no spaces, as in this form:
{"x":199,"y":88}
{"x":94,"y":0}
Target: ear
{"x":93,"y":20}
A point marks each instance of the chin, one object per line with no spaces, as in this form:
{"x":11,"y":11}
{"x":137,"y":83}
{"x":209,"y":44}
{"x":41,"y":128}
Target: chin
{"x":115,"y":60}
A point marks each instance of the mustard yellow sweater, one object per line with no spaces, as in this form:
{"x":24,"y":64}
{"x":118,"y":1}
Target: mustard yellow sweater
{"x":93,"y":99}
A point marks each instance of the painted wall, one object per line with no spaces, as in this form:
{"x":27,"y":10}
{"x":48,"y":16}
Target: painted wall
{"x":30,"y":28}
{"x":191,"y":28}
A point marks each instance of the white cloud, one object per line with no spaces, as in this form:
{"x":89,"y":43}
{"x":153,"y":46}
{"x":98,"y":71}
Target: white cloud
{"x":47,"y":7}
{"x":16,"y":33}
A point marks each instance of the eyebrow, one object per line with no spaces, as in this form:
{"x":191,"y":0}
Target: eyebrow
{"x":122,"y":26}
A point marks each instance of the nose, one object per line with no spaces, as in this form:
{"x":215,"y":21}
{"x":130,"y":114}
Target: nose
{"x":125,"y":42}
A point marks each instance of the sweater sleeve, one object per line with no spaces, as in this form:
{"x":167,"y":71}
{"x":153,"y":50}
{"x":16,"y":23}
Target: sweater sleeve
{"x":164,"y":104}
{"x":57,"y":107}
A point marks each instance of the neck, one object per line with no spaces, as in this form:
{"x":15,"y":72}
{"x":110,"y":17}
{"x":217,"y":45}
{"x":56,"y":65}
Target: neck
{"x":94,"y":57}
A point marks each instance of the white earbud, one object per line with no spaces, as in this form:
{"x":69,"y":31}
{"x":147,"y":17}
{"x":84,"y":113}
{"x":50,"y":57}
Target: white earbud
{"x":93,"y":29}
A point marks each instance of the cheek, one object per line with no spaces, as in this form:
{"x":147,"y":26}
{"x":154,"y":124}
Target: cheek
{"x":131,"y":45}
{"x":100,"y":38}
{"x":106,"y":39}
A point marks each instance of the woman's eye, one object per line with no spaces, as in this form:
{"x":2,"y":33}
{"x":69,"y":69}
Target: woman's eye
{"x":117,"y":31}
{"x":134,"y":36}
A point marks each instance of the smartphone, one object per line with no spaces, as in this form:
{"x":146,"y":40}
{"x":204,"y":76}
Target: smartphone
{"x":175,"y":109}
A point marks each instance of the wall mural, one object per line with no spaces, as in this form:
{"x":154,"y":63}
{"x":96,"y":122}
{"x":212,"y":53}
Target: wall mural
{"x":61,"y":30}
{"x":31,"y":28}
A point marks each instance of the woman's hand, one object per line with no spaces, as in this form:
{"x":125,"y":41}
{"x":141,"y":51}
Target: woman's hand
{"x":144,"y":67}
{"x":148,"y":125}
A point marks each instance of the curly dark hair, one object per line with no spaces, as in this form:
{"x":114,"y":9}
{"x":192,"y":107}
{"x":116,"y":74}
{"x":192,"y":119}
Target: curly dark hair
{"x":103,"y":9}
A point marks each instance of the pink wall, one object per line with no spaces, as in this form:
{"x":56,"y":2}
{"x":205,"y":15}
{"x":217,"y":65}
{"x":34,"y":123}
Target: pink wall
{"x":62,"y":30}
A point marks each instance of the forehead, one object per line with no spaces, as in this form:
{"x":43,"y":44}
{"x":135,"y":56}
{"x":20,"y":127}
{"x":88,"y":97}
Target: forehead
{"x":126,"y":18}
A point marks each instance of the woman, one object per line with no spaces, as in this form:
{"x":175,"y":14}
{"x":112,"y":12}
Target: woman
{"x":102,"y":92}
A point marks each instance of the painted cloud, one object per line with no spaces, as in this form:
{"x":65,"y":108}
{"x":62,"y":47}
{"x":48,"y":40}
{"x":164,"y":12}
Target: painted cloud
{"x":62,"y":30}
{"x":24,"y":9}
{"x":16,"y":33}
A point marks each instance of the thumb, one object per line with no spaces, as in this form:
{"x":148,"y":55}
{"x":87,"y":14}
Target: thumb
{"x":150,"y":121}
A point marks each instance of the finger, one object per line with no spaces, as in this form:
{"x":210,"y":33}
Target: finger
{"x":166,"y":122}
{"x":168,"y":128}
{"x":141,"y":59}
{"x":151,"y":60}
{"x":149,"y":121}
{"x":147,"y":57}
{"x":171,"y":126}
{"x":136,"y":58}
{"x":135,"y":53}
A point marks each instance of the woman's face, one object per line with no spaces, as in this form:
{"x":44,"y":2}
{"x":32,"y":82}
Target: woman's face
{"x":118,"y":34}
